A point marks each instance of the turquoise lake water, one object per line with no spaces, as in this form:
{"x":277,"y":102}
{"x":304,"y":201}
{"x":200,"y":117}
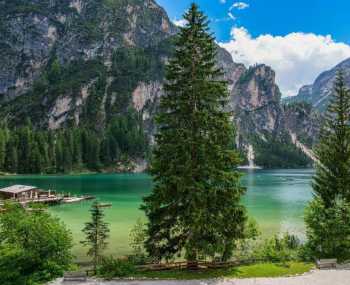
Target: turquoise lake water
{"x":275,"y":198}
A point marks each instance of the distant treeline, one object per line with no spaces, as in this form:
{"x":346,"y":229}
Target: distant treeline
{"x":281,"y":153}
{"x":26,"y":150}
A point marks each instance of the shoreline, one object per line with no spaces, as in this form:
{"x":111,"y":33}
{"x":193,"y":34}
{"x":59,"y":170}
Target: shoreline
{"x":240,"y":168}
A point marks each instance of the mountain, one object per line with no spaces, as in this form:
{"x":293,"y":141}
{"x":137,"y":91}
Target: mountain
{"x":263,"y":124}
{"x":319,"y":92}
{"x":303,"y":122}
{"x":59,"y":52}
{"x":99,"y":65}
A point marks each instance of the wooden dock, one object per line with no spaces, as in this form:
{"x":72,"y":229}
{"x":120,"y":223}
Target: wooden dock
{"x":75,"y":199}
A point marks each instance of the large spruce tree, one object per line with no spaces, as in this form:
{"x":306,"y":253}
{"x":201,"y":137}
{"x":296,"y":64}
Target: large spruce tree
{"x":328,"y":215}
{"x":195,"y":205}
{"x":332,"y":179}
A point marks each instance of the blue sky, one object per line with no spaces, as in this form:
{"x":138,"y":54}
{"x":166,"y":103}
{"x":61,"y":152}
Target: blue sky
{"x":277,"y":17}
{"x":298,"y":38}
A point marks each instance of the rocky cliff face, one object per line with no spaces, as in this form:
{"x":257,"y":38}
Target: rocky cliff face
{"x":263,"y":125}
{"x":319,"y":92}
{"x":33,"y":32}
{"x":56,"y":53}
{"x":84,"y":62}
{"x":256,"y":101}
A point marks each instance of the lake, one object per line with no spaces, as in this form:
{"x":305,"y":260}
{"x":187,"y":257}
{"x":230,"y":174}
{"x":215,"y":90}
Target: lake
{"x":275,"y":198}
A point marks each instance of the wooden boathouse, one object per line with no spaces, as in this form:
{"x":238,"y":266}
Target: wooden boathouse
{"x":26,"y":194}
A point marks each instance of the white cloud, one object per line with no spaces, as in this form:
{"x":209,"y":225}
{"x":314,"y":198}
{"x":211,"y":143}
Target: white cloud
{"x":220,"y":20}
{"x":180,"y":23}
{"x":222,"y":1}
{"x":297,"y":58}
{"x":239,"y":6}
{"x":231,"y":16}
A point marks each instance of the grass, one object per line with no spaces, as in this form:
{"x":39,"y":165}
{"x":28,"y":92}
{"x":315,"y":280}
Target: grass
{"x":247,"y":271}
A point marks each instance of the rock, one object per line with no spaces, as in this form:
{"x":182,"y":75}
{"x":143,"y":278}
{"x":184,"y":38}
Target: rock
{"x":70,"y":62}
{"x":319,"y":92}
{"x":256,"y":102}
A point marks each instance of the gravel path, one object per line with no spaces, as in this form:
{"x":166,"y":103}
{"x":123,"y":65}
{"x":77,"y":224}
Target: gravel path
{"x":324,"y":277}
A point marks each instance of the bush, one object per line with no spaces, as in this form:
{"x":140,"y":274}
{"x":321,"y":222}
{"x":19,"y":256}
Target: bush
{"x":12,"y":263}
{"x":279,"y":249}
{"x":328,"y":230}
{"x":111,"y":267}
{"x":275,"y":249}
{"x":137,"y":238}
{"x":34,"y":246}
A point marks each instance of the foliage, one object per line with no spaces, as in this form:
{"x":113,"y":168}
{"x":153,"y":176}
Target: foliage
{"x":34,"y":246}
{"x":328,"y":230}
{"x":278,"y":153}
{"x":298,"y":106}
{"x":137,"y":239}
{"x":195,"y":205}
{"x":276,"y":249}
{"x":13,"y":261}
{"x":251,"y":230}
{"x":332,"y":179}
{"x":111,"y":268}
{"x":97,"y":233}
{"x":328,"y":215}
{"x":28,"y":150}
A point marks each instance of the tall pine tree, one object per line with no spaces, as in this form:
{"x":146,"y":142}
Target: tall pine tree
{"x":195,"y":205}
{"x":332,"y":179}
{"x":96,"y":232}
{"x":327,"y":217}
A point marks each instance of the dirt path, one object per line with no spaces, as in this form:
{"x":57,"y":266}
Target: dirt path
{"x":325,"y":277}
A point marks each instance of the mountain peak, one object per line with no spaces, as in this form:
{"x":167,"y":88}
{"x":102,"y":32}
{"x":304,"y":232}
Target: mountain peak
{"x":319,"y":92}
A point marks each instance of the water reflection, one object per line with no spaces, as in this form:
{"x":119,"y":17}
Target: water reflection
{"x":277,"y":198}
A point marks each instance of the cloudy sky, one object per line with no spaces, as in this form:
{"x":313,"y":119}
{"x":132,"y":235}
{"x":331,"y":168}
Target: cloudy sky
{"x":298,"y":38}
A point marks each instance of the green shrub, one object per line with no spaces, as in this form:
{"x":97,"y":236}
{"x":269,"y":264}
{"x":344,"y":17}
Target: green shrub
{"x":34,"y":246}
{"x":111,"y":267}
{"x":12,"y":262}
{"x":275,"y":249}
{"x":137,"y":238}
{"x":279,"y":249}
{"x":327,"y":230}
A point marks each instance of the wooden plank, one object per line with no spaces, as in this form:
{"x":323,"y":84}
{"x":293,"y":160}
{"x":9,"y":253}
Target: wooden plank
{"x":186,"y":265}
{"x":326,"y":263}
{"x":75,"y":276}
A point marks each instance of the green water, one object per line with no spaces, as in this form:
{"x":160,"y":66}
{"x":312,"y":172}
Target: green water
{"x":275,"y":198}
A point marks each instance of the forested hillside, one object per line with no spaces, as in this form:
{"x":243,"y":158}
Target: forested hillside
{"x":94,"y":70}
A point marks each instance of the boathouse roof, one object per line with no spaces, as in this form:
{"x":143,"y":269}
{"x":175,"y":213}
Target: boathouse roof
{"x":15,"y":189}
